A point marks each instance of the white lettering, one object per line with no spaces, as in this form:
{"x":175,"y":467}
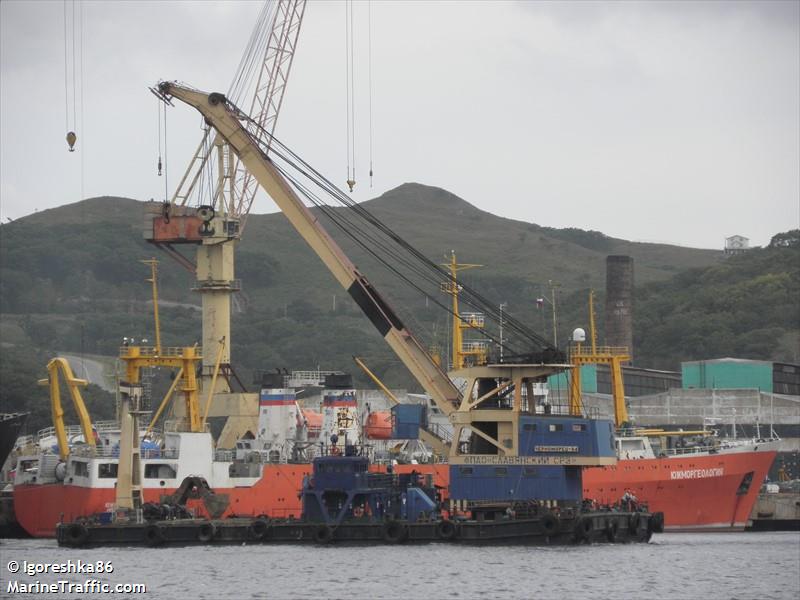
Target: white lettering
{"x":556,"y":448}
{"x":698,"y":473}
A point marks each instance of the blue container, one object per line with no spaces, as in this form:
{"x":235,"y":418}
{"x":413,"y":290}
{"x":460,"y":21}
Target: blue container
{"x":407,"y":419}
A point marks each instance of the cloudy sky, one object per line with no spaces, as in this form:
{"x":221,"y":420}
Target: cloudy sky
{"x":671,"y":122}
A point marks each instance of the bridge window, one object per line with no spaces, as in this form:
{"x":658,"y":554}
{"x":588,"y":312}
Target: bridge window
{"x":107,"y":470}
{"x":529,"y":427}
{"x":159,"y":471}
{"x":529,"y":472}
{"x":555,"y":427}
{"x":500,"y":471}
{"x":579,"y":427}
{"x":80,"y":469}
{"x":466,"y":470}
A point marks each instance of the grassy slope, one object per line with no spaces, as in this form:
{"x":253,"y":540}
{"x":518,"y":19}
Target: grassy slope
{"x":70,"y":281}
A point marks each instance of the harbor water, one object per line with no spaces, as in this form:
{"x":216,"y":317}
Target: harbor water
{"x":679,"y":565}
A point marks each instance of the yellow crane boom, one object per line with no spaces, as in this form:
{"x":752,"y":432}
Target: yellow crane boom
{"x":225,"y":119}
{"x":53,"y":367}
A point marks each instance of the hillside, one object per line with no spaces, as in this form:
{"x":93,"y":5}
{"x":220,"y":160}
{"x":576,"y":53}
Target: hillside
{"x":70,"y":280}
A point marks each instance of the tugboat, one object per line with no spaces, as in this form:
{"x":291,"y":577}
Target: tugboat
{"x":344,"y":502}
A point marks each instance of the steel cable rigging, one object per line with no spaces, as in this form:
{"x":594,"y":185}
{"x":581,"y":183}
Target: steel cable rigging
{"x":71,"y":83}
{"x":350,"y":93}
{"x":385,"y":245}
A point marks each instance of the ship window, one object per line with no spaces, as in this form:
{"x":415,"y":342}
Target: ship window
{"x":555,"y":427}
{"x":107,"y":470}
{"x":466,"y":470}
{"x":529,"y":472}
{"x":579,"y":427}
{"x":159,"y":471}
{"x":500,"y":471}
{"x":80,"y":469}
{"x":529,"y":427}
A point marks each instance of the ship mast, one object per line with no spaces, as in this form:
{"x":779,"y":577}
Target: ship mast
{"x":473,"y":352}
{"x":613,"y":356}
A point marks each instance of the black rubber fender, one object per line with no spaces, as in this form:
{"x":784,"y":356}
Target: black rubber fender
{"x":206,"y":532}
{"x":395,"y":532}
{"x":154,"y":535}
{"x":77,"y":534}
{"x":656,"y":523}
{"x":583,"y":528}
{"x":633,"y":523}
{"x":323,"y":534}
{"x":549,"y":523}
{"x":447,"y":530}
{"x":258,"y":529}
{"x":586,"y":525}
{"x":611,"y":530}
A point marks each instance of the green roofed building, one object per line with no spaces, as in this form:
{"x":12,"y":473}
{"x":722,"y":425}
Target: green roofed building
{"x":739,"y":373}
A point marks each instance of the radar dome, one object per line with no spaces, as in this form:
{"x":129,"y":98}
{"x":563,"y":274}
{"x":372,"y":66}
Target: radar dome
{"x":579,"y":335}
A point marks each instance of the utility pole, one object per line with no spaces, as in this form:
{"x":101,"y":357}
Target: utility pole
{"x":553,"y":285}
{"x":502,"y":306}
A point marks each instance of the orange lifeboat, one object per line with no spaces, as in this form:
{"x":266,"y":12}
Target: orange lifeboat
{"x":379,"y":425}
{"x":314,"y":422}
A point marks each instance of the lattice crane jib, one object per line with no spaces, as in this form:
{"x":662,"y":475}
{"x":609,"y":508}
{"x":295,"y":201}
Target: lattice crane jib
{"x":215,"y":194}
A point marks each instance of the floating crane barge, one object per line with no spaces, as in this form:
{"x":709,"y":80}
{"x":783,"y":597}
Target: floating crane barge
{"x":344,"y":502}
{"x":514,"y":466}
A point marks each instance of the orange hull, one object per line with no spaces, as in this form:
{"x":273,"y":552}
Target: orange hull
{"x":40,"y":507}
{"x":693,"y":492}
{"x":698,"y":492}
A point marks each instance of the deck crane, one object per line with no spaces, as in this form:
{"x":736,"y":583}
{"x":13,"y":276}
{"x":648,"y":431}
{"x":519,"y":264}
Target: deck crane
{"x":497,"y":401}
{"x":223,"y":117}
{"x":217,"y":224}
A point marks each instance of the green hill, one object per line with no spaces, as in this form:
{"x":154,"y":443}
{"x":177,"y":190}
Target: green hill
{"x":70,"y":280}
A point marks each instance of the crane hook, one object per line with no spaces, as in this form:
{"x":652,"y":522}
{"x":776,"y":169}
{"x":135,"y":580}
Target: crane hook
{"x":159,"y":166}
{"x":71,"y":139}
{"x":351,"y":184}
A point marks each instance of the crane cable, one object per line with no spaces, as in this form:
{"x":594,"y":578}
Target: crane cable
{"x":425,"y":267}
{"x":71,"y":137}
{"x":369,"y":76}
{"x":435,"y":272}
{"x":83,"y":153}
{"x":158,"y":107}
{"x":349,"y":89}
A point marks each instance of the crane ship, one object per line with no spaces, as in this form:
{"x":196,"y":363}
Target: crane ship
{"x":512,"y":452}
{"x":505,"y":446}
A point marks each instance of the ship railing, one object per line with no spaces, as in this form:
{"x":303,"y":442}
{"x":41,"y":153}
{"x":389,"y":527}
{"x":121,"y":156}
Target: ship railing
{"x":224,"y":455}
{"x":300,"y":378}
{"x":690,"y":450}
{"x":559,"y":410}
{"x":585,"y":350}
{"x":180,"y":425}
{"x":477,"y":320}
{"x":443,"y":433}
{"x":380,"y":480}
{"x":128,"y":352}
{"x":105,"y":426}
{"x":84,"y":450}
{"x":24,"y":441}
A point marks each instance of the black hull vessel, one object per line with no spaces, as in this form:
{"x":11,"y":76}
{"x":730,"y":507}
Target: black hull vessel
{"x":547,"y":529}
{"x":10,"y":426}
{"x":345,"y":503}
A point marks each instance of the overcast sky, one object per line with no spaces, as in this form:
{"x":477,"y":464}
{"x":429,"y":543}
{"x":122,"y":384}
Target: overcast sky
{"x":671,"y":122}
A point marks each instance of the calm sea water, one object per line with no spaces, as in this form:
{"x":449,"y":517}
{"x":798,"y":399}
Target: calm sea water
{"x":671,"y":566}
